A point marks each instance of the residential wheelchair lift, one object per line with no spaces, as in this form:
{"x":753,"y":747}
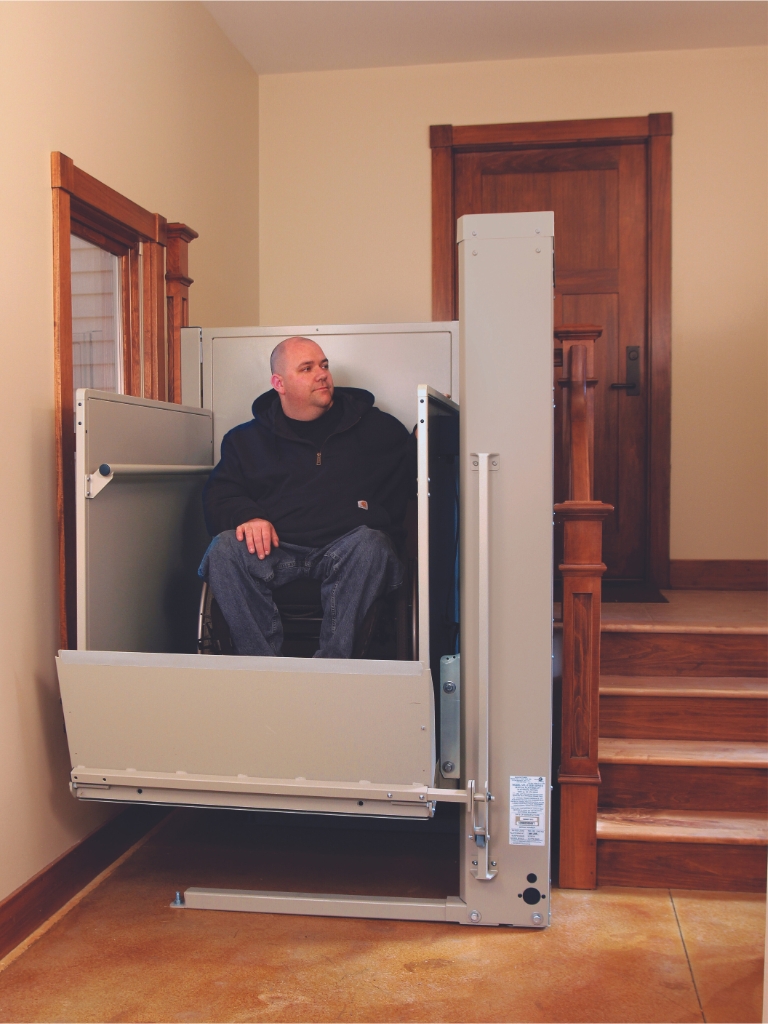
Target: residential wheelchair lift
{"x":151,"y":720}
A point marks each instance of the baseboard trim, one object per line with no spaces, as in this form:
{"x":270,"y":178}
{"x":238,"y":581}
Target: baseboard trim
{"x":46,"y":892}
{"x":718,"y":574}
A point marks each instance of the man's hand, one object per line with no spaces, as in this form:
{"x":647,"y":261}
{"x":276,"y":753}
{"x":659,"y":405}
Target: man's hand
{"x":260,"y":536}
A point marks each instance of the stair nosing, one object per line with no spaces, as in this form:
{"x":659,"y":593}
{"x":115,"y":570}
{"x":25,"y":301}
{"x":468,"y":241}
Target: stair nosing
{"x":678,"y":627}
{"x":658,"y":691}
{"x":633,"y":832}
{"x":679,"y":758}
{"x":681,"y":685}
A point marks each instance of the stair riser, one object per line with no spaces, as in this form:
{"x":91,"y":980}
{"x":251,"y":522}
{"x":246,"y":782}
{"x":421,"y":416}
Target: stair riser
{"x":715,"y":866}
{"x":683,"y":788}
{"x":688,"y":654}
{"x":684,"y":718}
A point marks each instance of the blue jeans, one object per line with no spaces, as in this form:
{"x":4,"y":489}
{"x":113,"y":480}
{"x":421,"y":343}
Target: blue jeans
{"x":353,"y":571}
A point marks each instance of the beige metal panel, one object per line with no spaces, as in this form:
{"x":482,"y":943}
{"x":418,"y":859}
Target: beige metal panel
{"x":505,"y":225}
{"x":386,"y":793}
{"x":141,"y":565}
{"x":505,"y":264}
{"x":387,"y":908}
{"x":141,"y":537}
{"x":389,"y":360}
{"x":278,"y":718}
{"x":242,"y":791}
{"x":141,"y":431}
{"x":140,"y":794}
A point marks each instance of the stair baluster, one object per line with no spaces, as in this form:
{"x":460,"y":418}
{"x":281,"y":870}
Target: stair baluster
{"x":582,"y":571}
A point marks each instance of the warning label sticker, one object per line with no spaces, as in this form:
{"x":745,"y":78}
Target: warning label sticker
{"x":527,"y":810}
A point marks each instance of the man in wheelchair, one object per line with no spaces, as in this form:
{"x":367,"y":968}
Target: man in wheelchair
{"x":315,"y":486}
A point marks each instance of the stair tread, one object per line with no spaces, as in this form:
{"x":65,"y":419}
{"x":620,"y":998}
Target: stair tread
{"x":701,"y":753}
{"x":688,"y":611}
{"x":639,"y":824}
{"x":684,"y":686}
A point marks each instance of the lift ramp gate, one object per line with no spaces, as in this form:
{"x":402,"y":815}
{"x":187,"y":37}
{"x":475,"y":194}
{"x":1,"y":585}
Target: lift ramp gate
{"x":150,"y":720}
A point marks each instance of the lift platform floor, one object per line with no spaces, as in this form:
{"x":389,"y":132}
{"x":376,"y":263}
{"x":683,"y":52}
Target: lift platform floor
{"x":121,"y":953}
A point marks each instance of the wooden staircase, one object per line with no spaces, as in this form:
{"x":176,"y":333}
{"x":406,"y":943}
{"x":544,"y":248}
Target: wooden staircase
{"x":683,"y":755}
{"x":663,"y":707}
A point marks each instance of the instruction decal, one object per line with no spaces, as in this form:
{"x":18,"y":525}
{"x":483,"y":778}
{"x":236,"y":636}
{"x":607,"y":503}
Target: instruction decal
{"x":527,"y":809}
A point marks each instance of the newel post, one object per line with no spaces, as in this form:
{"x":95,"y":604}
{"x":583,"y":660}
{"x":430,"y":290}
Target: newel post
{"x":177,"y":282}
{"x":582,"y":570}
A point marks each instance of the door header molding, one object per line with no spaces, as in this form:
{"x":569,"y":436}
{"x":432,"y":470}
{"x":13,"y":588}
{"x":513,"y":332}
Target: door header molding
{"x":525,"y":133}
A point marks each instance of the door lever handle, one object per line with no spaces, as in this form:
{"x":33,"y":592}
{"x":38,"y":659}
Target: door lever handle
{"x":632,"y":383}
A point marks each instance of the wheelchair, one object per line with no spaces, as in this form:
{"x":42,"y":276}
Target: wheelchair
{"x":388,"y":632}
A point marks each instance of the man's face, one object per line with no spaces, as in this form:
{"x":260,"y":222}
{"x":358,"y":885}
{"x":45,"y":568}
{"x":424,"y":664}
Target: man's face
{"x":303,"y":380}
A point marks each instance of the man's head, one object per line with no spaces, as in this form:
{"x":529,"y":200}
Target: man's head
{"x":301,"y":377}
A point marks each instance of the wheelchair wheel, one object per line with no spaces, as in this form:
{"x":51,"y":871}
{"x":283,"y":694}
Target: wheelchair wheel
{"x":213,"y":636}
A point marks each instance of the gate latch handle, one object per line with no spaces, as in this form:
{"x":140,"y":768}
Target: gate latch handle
{"x":632,"y":384}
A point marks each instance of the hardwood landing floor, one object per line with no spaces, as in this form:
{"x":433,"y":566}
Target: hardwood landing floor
{"x":705,"y":611}
{"x":122,"y":953}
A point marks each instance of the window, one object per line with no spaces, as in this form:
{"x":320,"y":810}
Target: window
{"x":97,"y":331}
{"x":120,"y":301}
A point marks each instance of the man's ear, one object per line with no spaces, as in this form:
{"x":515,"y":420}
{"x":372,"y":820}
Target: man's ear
{"x":277,"y":383}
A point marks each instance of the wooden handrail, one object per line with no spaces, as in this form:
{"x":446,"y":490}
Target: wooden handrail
{"x":582,"y":570}
{"x":581,"y":426}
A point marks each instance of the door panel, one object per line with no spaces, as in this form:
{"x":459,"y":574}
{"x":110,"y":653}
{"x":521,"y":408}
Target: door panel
{"x":598,"y":195}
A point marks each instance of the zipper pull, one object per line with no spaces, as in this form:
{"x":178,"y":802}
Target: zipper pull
{"x":319,"y":459}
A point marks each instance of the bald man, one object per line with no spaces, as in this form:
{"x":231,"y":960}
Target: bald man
{"x":315,"y":485}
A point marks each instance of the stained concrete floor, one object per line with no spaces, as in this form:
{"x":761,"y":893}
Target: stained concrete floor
{"x":120,"y":953}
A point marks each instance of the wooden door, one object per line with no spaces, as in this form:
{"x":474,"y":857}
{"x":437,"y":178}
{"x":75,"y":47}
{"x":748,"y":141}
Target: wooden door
{"x":601,"y":195}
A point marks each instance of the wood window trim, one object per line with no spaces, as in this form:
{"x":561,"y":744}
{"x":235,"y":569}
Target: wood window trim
{"x":88,"y":208}
{"x":655,"y":131}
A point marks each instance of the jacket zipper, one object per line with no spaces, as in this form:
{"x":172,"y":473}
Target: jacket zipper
{"x":319,"y":459}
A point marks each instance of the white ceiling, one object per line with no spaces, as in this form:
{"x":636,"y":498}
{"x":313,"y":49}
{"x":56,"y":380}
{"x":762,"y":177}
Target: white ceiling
{"x":316,"y":35}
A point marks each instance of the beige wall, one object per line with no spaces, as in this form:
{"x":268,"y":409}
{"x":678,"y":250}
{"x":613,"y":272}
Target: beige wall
{"x":150,"y":98}
{"x":345,"y":230}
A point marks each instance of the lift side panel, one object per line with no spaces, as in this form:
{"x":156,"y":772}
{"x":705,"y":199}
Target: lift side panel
{"x":141,"y":537}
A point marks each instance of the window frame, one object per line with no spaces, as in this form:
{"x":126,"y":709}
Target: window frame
{"x":91,"y":210}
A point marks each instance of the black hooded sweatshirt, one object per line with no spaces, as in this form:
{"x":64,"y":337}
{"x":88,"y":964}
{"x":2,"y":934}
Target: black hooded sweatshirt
{"x":362,"y":474}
